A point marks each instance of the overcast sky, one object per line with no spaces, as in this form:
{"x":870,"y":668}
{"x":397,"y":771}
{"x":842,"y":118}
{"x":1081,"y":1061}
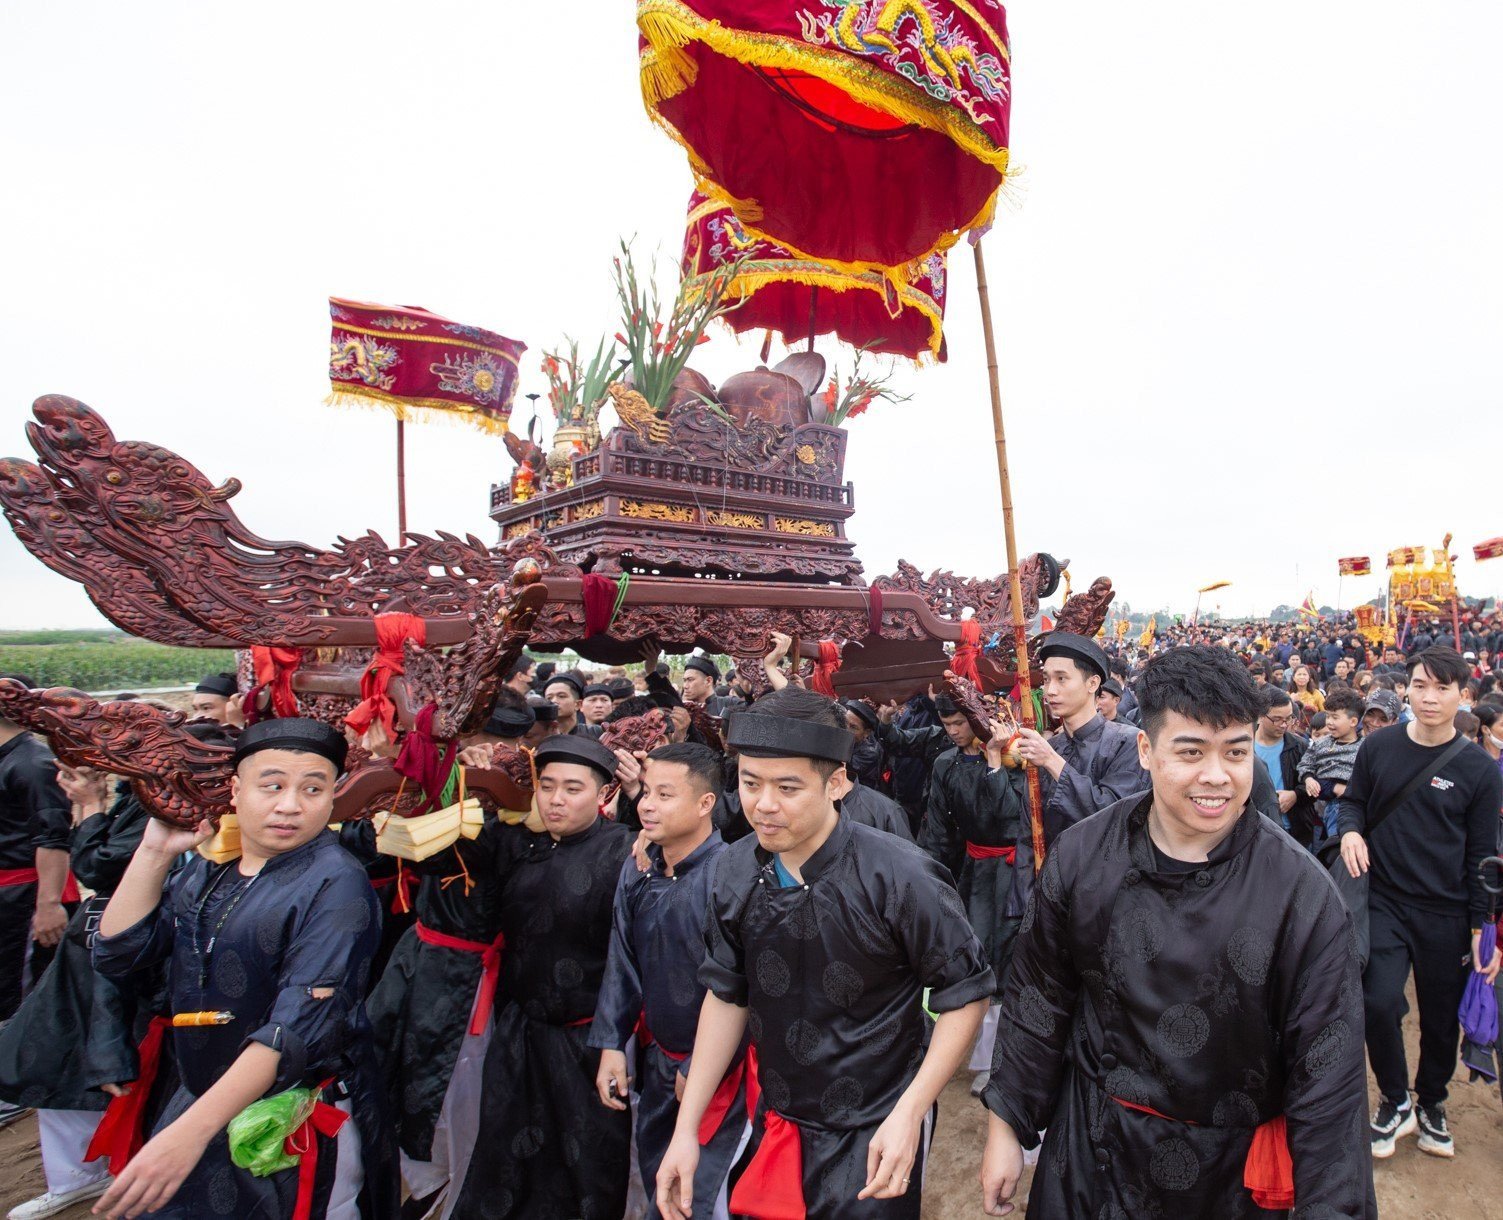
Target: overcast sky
{"x":1250,"y":300}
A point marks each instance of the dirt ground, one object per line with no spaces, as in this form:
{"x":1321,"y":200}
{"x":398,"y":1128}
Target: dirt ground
{"x":1411,"y":1185}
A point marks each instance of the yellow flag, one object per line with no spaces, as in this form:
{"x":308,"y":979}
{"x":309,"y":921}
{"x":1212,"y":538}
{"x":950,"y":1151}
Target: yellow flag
{"x":1146,"y":639}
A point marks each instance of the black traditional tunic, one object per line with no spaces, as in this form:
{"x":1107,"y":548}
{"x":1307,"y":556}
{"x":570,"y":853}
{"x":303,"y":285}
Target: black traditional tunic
{"x":657,"y":941}
{"x":421,"y":1007}
{"x":872,"y":808}
{"x":971,"y":827}
{"x":1101,"y":767}
{"x":77,"y":1030}
{"x":832,"y":972}
{"x":547,"y":1149}
{"x":257,"y":947}
{"x":1219,"y":998}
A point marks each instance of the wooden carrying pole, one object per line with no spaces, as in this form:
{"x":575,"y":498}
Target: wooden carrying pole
{"x":401,"y":484}
{"x":1015,"y":584}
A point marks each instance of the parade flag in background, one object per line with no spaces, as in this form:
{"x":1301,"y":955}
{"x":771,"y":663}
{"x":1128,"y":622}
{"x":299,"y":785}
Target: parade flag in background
{"x":1491,"y":549}
{"x":1214,"y":585}
{"x":1356,"y":565}
{"x":415,"y":363}
{"x":1307,"y":608}
{"x":1406,"y":556}
{"x":1146,"y":639}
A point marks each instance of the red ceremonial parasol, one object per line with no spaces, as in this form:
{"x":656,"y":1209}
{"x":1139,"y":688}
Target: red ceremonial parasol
{"x":897,"y":315}
{"x":862,"y":133}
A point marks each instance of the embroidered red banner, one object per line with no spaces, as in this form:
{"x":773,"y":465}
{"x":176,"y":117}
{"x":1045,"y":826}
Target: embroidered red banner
{"x":414,"y":363}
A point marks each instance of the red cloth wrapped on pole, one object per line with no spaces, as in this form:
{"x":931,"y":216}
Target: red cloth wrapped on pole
{"x":418,"y":365}
{"x":964,"y":664}
{"x":122,"y":1128}
{"x":599,"y":596}
{"x":901,"y":314}
{"x":392,"y":631}
{"x":274,"y":668}
{"x":822,"y":680}
{"x":881,"y":125}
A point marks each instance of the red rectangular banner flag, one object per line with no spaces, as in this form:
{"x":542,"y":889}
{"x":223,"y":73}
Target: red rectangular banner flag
{"x":1491,"y":549}
{"x":1406,"y":556}
{"x":413,"y":362}
{"x":1355,"y":565}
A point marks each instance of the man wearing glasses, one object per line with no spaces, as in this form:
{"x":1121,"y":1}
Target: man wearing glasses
{"x":1280,"y":750}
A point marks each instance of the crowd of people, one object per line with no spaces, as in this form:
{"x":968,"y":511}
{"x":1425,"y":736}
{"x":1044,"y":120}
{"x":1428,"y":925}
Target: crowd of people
{"x":731,"y":975}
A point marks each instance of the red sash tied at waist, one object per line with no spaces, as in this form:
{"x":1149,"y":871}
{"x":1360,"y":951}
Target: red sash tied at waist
{"x":725,"y":1092}
{"x":979,"y":851}
{"x":29,"y":876}
{"x":490,"y":964}
{"x":772,"y":1185}
{"x":325,"y":1120}
{"x":121,"y":1130}
{"x":1268,"y":1171}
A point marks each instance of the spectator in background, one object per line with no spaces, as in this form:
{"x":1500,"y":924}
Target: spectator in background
{"x":1280,"y":750}
{"x":1303,"y":688}
{"x":1318,"y":728}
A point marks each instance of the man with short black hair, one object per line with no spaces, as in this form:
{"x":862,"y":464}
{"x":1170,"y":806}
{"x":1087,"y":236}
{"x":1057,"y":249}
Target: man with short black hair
{"x":565,"y":691}
{"x":1183,"y":1001}
{"x":519,"y":674}
{"x":822,"y":936}
{"x":1424,"y":892}
{"x":700,"y":677}
{"x":1280,"y":750}
{"x":596,"y":704}
{"x":657,"y":938}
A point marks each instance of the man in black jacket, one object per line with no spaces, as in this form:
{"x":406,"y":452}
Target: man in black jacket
{"x":1424,"y":893}
{"x":1183,"y":1006}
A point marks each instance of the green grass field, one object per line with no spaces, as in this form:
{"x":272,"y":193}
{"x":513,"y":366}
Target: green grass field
{"x":104,"y":660}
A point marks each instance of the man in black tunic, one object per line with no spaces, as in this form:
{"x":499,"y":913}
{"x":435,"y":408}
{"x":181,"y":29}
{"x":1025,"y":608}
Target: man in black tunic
{"x":1184,"y":992}
{"x":656,"y":945}
{"x":546,"y":1149}
{"x":822,"y":936}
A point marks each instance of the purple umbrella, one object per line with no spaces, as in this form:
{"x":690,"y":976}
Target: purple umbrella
{"x":1479,"y":1013}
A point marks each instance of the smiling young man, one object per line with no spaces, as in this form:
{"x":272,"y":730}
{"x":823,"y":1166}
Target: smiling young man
{"x":1426,"y":902}
{"x":657,"y":943}
{"x":822,"y":936}
{"x":546,"y":1149}
{"x":1183,"y":978}
{"x":280,"y":940}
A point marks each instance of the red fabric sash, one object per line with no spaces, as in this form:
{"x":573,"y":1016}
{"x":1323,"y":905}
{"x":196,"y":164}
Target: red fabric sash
{"x":978,"y":851}
{"x":1268,"y":1171}
{"x":822,"y":681}
{"x":325,"y":1120}
{"x":392,"y":631}
{"x":121,"y":1130}
{"x":963,"y":663}
{"x":725,"y":1091}
{"x":424,"y":763}
{"x":490,"y":965}
{"x":772,"y":1185}
{"x":29,"y":876}
{"x":874,"y":610}
{"x":274,"y":668}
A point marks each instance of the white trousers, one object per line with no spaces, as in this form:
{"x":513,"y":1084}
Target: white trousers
{"x":64,"y":1136}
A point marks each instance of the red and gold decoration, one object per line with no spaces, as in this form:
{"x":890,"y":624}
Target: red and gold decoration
{"x":899,"y":315}
{"x":859,"y":133}
{"x":1406,"y":556}
{"x":1491,"y":549}
{"x":1355,"y":565}
{"x":418,"y":365}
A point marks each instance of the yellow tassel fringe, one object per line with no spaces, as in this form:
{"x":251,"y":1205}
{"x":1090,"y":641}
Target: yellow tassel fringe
{"x":421,"y":411}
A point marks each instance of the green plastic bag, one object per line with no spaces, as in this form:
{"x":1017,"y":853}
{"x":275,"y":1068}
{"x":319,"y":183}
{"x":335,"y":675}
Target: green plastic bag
{"x":258,"y":1132}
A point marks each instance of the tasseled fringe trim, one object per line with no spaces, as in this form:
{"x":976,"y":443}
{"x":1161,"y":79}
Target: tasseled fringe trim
{"x":422,"y":411}
{"x":667,"y":69}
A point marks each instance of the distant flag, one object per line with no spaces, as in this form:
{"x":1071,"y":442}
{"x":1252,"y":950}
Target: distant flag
{"x":1355,"y":565}
{"x":1406,"y":556}
{"x":1123,"y":627}
{"x":1214,"y":585}
{"x":1146,"y":639}
{"x":1045,"y":622}
{"x":1307,"y":608}
{"x":417,"y":365}
{"x":1491,"y":549}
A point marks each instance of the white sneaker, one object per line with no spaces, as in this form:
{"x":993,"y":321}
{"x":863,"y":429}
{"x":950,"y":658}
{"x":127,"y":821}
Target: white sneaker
{"x":50,"y":1204}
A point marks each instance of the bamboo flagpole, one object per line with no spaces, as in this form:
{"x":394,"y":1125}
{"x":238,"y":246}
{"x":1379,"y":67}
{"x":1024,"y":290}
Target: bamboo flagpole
{"x":1015,"y":583}
{"x":401,"y":482}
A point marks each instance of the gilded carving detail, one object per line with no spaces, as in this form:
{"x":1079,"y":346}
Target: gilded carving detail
{"x":653,"y":510}
{"x":800,"y":525}
{"x":587,"y":511}
{"x":735,"y":521}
